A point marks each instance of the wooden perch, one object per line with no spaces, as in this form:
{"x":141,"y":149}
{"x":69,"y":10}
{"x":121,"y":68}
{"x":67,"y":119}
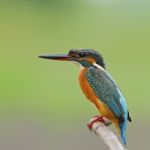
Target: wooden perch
{"x":109,"y":138}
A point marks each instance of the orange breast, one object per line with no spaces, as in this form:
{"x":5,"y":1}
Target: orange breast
{"x":90,"y":94}
{"x":87,"y":90}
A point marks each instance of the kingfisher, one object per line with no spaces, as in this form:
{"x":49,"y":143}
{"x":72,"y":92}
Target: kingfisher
{"x":99,"y":87}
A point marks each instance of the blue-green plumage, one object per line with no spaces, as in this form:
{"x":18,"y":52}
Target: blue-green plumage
{"x":98,"y":80}
{"x":108,"y":92}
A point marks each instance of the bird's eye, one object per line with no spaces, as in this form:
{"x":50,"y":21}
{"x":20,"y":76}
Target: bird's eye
{"x":82,"y":54}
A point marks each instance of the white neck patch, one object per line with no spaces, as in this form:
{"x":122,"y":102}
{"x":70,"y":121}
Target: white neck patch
{"x":98,"y":66}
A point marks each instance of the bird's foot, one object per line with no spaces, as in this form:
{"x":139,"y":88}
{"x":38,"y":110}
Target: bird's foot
{"x":93,"y":120}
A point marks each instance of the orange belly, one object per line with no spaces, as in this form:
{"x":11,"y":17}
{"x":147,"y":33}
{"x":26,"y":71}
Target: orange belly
{"x":90,"y":94}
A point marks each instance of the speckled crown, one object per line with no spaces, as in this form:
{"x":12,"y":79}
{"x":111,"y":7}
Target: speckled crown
{"x":88,"y":53}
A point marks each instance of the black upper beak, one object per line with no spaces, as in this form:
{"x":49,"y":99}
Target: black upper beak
{"x":61,"y":57}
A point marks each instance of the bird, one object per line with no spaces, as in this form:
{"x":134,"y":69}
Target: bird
{"x":99,"y":87}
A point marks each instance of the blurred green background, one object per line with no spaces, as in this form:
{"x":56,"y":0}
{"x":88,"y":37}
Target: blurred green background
{"x":41,"y":98}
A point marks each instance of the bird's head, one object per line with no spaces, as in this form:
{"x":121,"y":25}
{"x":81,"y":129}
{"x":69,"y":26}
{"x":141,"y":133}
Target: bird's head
{"x":84,"y":57}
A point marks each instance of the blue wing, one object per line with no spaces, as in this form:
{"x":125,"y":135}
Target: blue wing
{"x":107,"y":91}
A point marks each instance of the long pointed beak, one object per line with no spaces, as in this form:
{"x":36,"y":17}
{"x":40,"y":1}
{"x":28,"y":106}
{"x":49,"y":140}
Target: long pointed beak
{"x":61,"y":57}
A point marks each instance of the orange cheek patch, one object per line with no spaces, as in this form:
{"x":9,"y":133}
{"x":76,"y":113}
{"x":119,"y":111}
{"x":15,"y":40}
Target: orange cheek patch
{"x":91,"y":60}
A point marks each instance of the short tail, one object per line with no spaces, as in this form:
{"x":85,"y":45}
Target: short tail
{"x":122,"y":127}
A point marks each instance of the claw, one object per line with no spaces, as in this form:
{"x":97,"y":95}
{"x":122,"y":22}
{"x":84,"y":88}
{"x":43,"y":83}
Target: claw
{"x":95,"y":119}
